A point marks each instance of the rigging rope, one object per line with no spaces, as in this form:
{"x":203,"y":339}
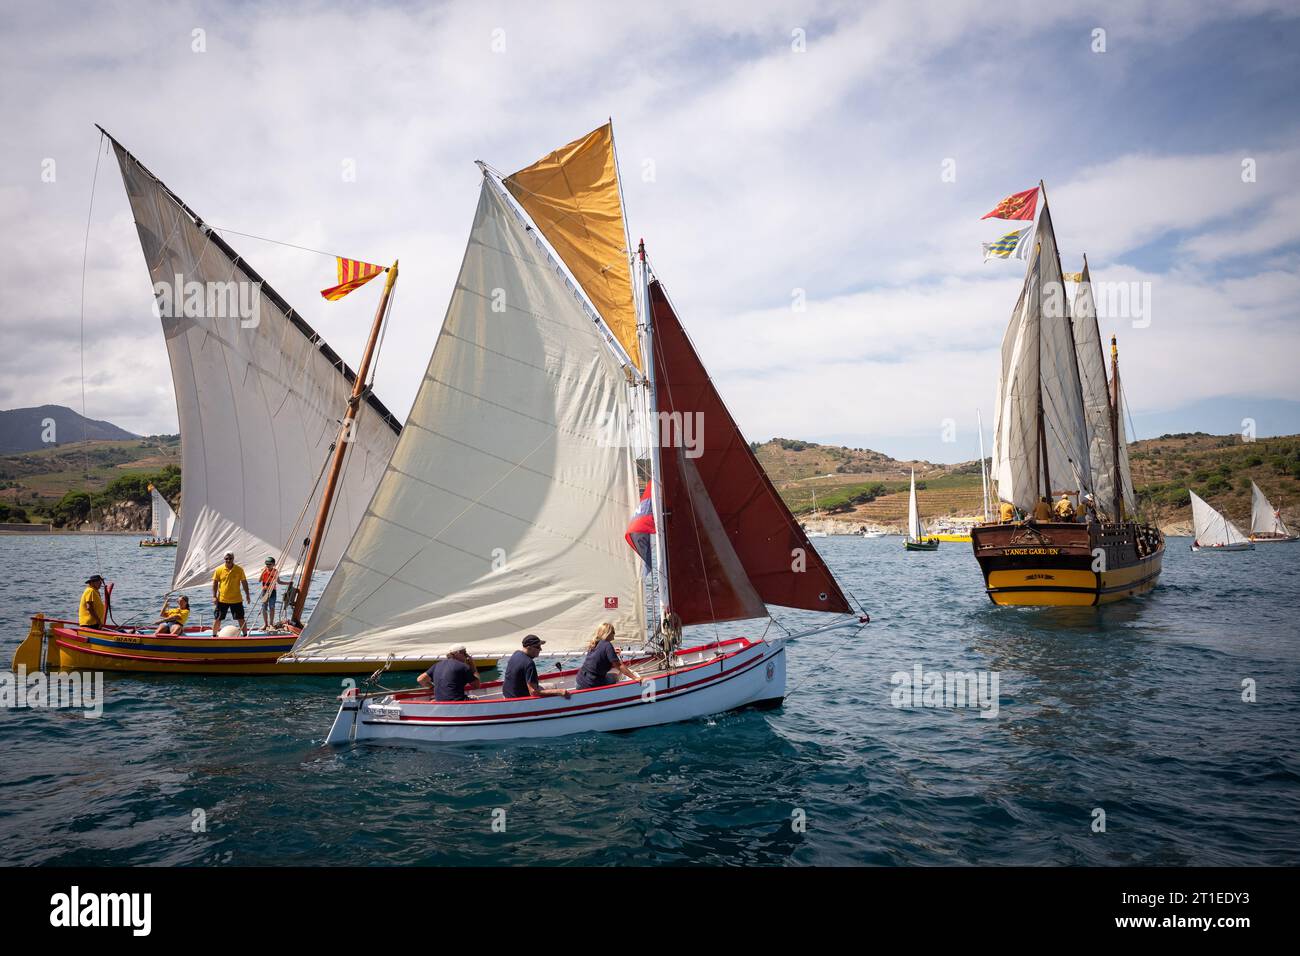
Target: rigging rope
{"x":85,"y":254}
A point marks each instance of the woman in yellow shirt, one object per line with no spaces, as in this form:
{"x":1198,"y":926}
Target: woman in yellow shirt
{"x":173,"y":618}
{"x":90,"y":612}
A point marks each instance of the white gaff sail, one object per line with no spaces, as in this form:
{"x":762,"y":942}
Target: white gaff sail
{"x":1039,"y":359}
{"x":1264,"y":519}
{"x":915,"y":528}
{"x":164,"y":518}
{"x":259,"y":396}
{"x":1212,"y":528}
{"x":503,"y":509}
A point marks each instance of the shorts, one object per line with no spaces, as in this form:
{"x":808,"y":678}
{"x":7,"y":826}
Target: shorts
{"x":270,"y":601}
{"x":236,"y":610}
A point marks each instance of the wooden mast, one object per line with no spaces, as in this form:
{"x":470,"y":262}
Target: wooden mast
{"x":340,"y":450}
{"x":1114,"y":428}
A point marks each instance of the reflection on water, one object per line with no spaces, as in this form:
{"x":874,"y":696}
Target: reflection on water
{"x":1135,"y":710}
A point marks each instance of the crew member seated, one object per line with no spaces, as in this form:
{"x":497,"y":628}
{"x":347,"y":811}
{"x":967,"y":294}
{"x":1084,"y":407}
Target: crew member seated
{"x":1042,"y":510}
{"x":1064,"y":509}
{"x":1006,"y":512}
{"x":521,"y":678}
{"x":451,"y":675}
{"x":601,"y":658}
{"x":173,"y":618}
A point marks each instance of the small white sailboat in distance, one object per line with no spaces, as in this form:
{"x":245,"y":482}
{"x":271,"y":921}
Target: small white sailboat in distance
{"x":1266,"y":524}
{"x":162,"y":526}
{"x":1214,"y":532}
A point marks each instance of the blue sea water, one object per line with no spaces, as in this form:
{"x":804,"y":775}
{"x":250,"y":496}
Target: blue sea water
{"x":1135,"y":710}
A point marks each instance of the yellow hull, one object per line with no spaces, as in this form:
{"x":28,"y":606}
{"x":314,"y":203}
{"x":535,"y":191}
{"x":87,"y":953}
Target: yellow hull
{"x":949,"y":536}
{"x":1057,"y":587}
{"x":69,"y":647}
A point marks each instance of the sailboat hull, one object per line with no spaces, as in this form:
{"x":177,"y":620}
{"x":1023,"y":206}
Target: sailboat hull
{"x":1235,"y":546}
{"x":70,"y":646}
{"x":710,"y":679}
{"x":1275,"y":538}
{"x":928,"y":544}
{"x":1067,"y":565}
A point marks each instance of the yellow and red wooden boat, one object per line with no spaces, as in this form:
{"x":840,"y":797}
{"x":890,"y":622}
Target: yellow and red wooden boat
{"x":65,"y":645}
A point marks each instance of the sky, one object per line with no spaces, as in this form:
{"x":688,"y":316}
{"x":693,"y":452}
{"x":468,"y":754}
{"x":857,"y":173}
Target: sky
{"x":808,"y":177}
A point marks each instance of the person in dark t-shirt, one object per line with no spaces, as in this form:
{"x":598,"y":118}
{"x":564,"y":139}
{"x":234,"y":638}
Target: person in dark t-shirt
{"x":521,"y":673}
{"x":602,"y":657}
{"x":451,"y":675}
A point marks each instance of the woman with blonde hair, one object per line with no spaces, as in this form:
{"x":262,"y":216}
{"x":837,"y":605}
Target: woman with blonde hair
{"x":602,"y":657}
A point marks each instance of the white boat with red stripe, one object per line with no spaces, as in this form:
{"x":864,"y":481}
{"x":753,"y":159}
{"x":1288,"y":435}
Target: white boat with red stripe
{"x":704,"y":680}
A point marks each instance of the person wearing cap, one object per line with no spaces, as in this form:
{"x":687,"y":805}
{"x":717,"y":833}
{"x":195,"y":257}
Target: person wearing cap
{"x":451,"y":675}
{"x":1090,"y":509}
{"x":266,"y":598}
{"x":90,"y":612}
{"x":226,"y":583}
{"x":1064,"y":509}
{"x":521,"y":673}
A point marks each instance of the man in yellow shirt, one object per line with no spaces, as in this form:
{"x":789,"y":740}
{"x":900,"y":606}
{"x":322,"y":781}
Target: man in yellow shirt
{"x":1065,"y":509}
{"x":226,"y":583}
{"x":173,"y":618}
{"x":90,"y":612}
{"x":1006,"y":512}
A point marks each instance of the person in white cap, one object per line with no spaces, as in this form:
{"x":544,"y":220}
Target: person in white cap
{"x":452,"y":675}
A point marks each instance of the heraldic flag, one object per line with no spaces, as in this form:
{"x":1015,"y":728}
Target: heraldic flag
{"x":1016,"y":206}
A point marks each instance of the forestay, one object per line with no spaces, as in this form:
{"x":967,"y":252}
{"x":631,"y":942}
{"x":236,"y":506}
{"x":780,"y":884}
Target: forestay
{"x":502,"y":510}
{"x":258,"y":396}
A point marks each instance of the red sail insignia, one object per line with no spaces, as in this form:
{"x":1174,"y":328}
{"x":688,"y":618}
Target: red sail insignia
{"x":732,"y":544}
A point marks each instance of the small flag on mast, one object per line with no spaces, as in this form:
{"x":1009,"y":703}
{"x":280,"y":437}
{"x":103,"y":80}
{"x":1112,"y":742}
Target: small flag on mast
{"x":353,"y":274}
{"x":1012,"y":244}
{"x":642,"y":525}
{"x":1016,"y":206}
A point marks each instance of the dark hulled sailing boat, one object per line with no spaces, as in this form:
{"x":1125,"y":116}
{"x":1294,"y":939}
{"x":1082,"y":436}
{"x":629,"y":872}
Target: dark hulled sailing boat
{"x":1060,"y":432}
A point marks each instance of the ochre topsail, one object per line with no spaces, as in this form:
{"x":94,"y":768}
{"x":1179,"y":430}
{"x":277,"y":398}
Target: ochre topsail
{"x":732,"y":544}
{"x":573,"y":196}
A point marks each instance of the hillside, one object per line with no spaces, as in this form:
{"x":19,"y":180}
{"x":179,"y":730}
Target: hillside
{"x":856,"y":487}
{"x":29,"y":429}
{"x":62,"y":484}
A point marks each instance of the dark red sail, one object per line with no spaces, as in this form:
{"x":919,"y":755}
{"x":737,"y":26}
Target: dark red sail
{"x":732,"y":544}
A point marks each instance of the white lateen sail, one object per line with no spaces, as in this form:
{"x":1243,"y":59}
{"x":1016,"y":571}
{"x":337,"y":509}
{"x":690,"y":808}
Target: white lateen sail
{"x":1264,"y":518}
{"x":1213,"y":530}
{"x":502,"y":511}
{"x":258,"y":395}
{"x":164,"y":519}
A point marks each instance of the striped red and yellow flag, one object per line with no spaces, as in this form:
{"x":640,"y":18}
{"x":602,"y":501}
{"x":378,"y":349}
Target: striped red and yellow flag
{"x":353,"y":274}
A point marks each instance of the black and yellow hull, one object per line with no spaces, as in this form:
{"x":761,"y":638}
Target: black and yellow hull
{"x":1067,"y":565}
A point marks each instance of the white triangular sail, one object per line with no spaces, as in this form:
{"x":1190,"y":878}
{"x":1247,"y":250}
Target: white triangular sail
{"x":259,"y":397}
{"x":1264,"y":519}
{"x":163,"y":525}
{"x":503,"y":509}
{"x":1212,"y":528}
{"x":915,"y":527}
{"x":1038,"y":352}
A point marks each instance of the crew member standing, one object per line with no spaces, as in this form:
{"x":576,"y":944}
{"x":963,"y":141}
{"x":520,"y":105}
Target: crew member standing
{"x":227,"y":581}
